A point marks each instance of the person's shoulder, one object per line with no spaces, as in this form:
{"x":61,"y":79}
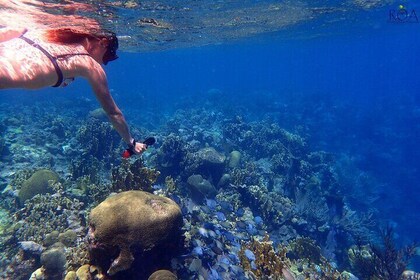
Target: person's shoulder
{"x":9,"y":33}
{"x":90,"y":68}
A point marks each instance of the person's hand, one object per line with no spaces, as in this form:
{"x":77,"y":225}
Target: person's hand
{"x":139,"y":148}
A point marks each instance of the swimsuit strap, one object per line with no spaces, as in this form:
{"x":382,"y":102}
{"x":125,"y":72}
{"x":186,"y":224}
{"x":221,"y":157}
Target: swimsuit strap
{"x":69,"y":54}
{"x":50,"y":57}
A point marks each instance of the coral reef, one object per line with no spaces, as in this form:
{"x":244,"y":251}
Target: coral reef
{"x":39,"y":183}
{"x":99,"y":139}
{"x":53,"y":261}
{"x":234,"y":159}
{"x":264,"y":139}
{"x":383,"y":261}
{"x":260,"y":258}
{"x":305,"y":248}
{"x":133,"y":176}
{"x":130,"y":220}
{"x":162,"y":275}
{"x":2,"y":146}
{"x":208,"y":162}
{"x":271,"y":206}
{"x":252,"y":178}
{"x":172,"y":155}
{"x":201,"y":188}
{"x":389,"y":261}
{"x":85,"y":166}
{"x":45,"y":213}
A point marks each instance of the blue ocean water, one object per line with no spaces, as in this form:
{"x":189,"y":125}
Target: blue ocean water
{"x":349,"y":89}
{"x":359,"y":93}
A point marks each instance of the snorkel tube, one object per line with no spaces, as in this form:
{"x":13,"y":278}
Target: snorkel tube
{"x":129,"y":152}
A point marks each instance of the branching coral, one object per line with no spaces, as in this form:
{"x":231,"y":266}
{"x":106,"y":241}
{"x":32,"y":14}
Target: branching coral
{"x":98,"y":139}
{"x":133,"y":176}
{"x":306,"y":248}
{"x":307,"y":253}
{"x":263,"y":139}
{"x":361,"y":261}
{"x":389,"y":261}
{"x":85,"y":166}
{"x":45,"y":213}
{"x":245,"y":176}
{"x":172,"y":155}
{"x":270,"y":205}
{"x":357,"y":225}
{"x":381,"y":262}
{"x":91,"y":192}
{"x":262,"y":260}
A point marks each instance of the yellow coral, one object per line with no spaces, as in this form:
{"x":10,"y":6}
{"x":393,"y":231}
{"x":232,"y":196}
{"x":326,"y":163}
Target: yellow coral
{"x":268,"y":262}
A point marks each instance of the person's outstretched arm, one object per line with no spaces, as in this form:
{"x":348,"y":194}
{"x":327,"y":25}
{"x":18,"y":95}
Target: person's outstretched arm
{"x":99,"y":83}
{"x":7,"y":34}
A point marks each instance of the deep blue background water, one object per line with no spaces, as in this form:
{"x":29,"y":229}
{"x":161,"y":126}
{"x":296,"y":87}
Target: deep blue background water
{"x":359,"y":92}
{"x":370,"y":81}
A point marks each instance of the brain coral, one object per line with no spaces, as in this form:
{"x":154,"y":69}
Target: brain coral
{"x":38,"y":183}
{"x":132,"y":219}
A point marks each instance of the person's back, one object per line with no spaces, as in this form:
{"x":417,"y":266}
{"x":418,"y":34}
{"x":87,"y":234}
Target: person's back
{"x":58,"y":56}
{"x":23,"y":65}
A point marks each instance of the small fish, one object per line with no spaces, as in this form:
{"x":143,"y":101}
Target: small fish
{"x":223,"y":260}
{"x":229,"y":236}
{"x":240,"y":212}
{"x":211,"y":203}
{"x":234,"y":258}
{"x":206,"y":209}
{"x":212,"y":233}
{"x":203,"y":232}
{"x":195,"y":265}
{"x":250,"y":255}
{"x":237,"y":270}
{"x":198,"y":242}
{"x":251,"y":229}
{"x":217,"y":250}
{"x":241,"y":225}
{"x":226,"y":206}
{"x":220,"y":216}
{"x":198,"y":251}
{"x":214,"y":275}
{"x":258,"y":220}
{"x":208,"y":226}
{"x":219,"y":244}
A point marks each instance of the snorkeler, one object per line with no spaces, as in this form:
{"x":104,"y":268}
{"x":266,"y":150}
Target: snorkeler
{"x":55,"y":58}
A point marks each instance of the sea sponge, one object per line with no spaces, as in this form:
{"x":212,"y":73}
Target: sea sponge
{"x":201,"y":186}
{"x":68,"y":238}
{"x":38,"y":183}
{"x":54,"y":261}
{"x":234,"y":159}
{"x":210,"y":156}
{"x":132,"y":219}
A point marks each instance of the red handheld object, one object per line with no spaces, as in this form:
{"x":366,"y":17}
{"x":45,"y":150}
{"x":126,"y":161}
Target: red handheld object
{"x":129,"y":152}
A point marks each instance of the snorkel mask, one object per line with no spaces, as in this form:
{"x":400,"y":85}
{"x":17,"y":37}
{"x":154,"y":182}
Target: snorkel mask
{"x":111,"y":51}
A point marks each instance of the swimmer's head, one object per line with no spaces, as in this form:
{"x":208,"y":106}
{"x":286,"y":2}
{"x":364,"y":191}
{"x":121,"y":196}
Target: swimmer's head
{"x":111,"y":49}
{"x":72,"y":36}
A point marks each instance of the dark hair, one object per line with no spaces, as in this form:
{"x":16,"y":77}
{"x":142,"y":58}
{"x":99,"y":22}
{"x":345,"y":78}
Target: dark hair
{"x":72,"y":36}
{"x":111,"y":51}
